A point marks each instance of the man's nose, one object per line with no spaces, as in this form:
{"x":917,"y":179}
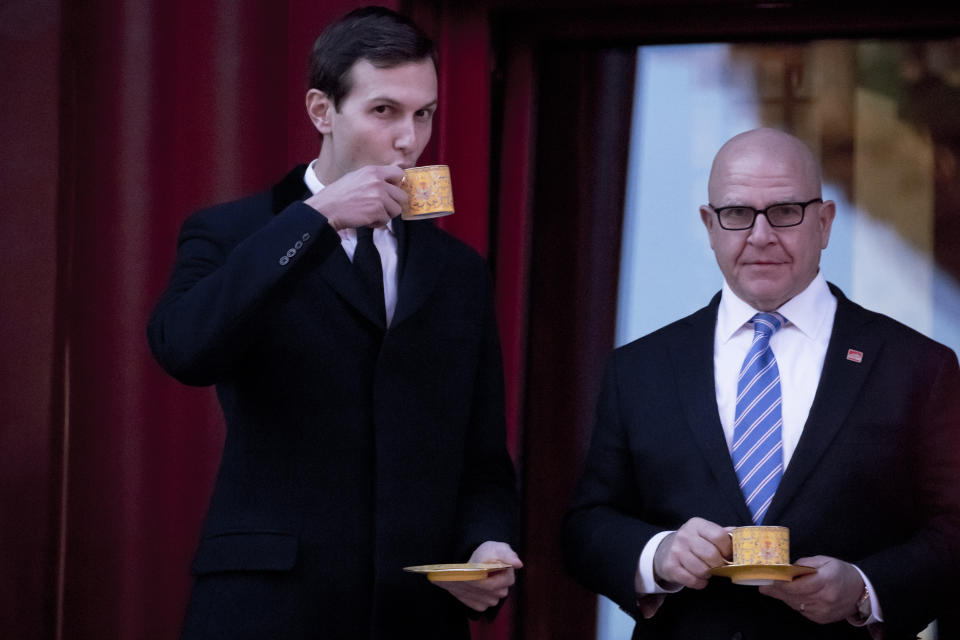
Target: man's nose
{"x":762,"y":232}
{"x":405,"y":136}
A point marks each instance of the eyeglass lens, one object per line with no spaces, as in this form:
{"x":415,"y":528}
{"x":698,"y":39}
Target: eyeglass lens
{"x":785,"y":215}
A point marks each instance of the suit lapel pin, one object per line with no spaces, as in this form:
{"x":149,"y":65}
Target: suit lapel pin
{"x":854,"y":356}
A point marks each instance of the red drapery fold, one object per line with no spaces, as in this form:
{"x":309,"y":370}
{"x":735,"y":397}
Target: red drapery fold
{"x":29,"y":40}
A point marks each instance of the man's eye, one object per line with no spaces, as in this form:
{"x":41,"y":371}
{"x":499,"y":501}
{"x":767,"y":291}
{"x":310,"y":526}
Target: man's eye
{"x":382,"y":108}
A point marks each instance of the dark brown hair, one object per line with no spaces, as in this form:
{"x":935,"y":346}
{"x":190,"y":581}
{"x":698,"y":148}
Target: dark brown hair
{"x":379,"y":35}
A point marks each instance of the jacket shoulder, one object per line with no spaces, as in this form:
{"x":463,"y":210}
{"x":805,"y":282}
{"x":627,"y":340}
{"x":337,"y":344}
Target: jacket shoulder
{"x":243,"y":216}
{"x":457,"y":255}
{"x":904,"y":337}
{"x":449,"y":241}
{"x":689,"y":327}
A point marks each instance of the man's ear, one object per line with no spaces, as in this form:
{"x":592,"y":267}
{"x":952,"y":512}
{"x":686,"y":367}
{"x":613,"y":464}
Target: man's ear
{"x":707,"y":216}
{"x":320,"y":109}
{"x":825,"y":216}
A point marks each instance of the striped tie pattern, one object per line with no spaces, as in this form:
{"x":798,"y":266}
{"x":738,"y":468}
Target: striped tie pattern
{"x":757,"y":444}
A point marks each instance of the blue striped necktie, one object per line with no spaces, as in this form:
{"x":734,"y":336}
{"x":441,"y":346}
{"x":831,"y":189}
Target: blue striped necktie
{"x":757,"y":449}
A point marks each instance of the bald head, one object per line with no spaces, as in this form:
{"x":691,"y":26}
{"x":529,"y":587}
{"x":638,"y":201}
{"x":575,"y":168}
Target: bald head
{"x":748,"y":152}
{"x":767,"y":265}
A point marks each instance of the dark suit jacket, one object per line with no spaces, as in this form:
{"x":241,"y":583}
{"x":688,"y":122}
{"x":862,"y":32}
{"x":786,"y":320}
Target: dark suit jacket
{"x":351,"y":450}
{"x":874,"y":480}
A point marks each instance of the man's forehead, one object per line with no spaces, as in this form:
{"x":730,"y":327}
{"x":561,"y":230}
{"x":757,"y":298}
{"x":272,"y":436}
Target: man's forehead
{"x":768,"y":149}
{"x":756,"y":170}
{"x":370,"y":67}
{"x":396,"y":82}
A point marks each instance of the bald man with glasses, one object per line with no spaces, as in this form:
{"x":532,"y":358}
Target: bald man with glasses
{"x":779,"y":403}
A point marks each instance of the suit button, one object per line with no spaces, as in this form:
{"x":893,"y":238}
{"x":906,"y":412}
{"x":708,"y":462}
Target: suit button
{"x":305,"y":237}
{"x":298,"y":244}
{"x":291,"y":253}
{"x":284,"y":260}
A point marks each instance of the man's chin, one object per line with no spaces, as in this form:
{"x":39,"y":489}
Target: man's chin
{"x":765,"y":298}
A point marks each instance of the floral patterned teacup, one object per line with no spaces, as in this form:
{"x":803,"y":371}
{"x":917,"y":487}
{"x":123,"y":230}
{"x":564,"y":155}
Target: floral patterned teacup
{"x":429,"y":191}
{"x":761,"y":545}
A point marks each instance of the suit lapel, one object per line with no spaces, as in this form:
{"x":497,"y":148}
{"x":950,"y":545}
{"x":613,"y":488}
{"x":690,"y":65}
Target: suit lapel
{"x":698,"y":397}
{"x":840,"y":384}
{"x":422,"y":257}
{"x":340,"y":274}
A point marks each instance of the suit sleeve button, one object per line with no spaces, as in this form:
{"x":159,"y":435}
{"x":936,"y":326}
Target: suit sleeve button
{"x":284,"y":260}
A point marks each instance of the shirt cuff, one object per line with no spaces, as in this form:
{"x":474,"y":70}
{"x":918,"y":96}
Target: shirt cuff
{"x":876,"y":614}
{"x":645,"y":582}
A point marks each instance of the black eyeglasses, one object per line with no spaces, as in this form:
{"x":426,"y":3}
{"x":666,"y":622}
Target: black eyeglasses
{"x":784,"y":214}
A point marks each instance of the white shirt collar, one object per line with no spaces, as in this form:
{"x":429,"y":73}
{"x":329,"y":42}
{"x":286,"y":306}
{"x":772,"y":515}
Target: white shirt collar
{"x":311,"y":179}
{"x":810,"y":311}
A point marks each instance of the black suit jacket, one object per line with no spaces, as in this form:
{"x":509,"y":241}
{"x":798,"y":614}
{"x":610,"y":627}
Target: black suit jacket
{"x":352,"y":450}
{"x":874,"y":480}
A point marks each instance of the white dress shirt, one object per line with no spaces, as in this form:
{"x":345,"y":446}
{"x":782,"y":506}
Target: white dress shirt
{"x":799,"y":347}
{"x":384,"y":239}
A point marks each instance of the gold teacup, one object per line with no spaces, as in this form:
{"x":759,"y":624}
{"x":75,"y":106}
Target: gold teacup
{"x":761,"y":555}
{"x":429,"y":191}
{"x":761,"y":545}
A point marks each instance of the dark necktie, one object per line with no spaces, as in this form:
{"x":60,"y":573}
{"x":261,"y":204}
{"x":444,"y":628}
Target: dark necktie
{"x":757,"y":442}
{"x":366,"y":259}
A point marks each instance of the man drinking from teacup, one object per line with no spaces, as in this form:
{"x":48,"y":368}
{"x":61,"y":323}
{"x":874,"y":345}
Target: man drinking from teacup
{"x":780,"y":403}
{"x":357,"y":363}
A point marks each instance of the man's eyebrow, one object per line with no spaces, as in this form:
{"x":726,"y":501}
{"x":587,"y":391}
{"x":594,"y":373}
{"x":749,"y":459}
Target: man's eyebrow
{"x":396,"y":103}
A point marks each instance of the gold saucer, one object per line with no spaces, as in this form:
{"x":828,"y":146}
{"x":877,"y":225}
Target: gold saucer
{"x":760,"y":574}
{"x":458,"y":572}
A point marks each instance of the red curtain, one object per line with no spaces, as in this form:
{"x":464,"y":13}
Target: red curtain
{"x":579,"y":193}
{"x":29,"y":251}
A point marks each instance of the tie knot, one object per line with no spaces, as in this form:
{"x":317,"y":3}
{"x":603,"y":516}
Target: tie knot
{"x":364,"y":232}
{"x":767,"y":323}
